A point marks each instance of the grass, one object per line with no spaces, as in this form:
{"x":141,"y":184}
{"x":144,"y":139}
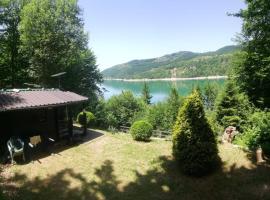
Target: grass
{"x":113,"y":166}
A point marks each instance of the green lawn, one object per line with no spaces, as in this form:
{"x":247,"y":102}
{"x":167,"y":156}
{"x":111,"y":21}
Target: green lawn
{"x":116,"y":167}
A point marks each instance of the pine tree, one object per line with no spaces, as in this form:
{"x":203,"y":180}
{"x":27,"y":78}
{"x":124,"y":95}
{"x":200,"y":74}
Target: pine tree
{"x":146,"y":94}
{"x":233,"y":106}
{"x":173,"y":104}
{"x":209,"y":95}
{"x":194,"y":143}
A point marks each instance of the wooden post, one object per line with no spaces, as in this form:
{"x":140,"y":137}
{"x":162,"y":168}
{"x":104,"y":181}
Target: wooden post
{"x":70,"y":123}
{"x":56,"y":124}
{"x":259,"y":155}
{"x":84,"y":123}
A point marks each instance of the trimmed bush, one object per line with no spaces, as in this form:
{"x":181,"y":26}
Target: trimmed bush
{"x":141,"y":130}
{"x":194,"y":143}
{"x":90,"y":118}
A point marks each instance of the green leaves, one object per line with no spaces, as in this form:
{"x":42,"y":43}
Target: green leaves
{"x":41,"y":38}
{"x":194,"y":144}
{"x":256,"y":132}
{"x":141,"y":130}
{"x":146,"y":96}
{"x":253,"y":72}
{"x":121,"y":109}
{"x":13,"y":63}
{"x":233,"y":106}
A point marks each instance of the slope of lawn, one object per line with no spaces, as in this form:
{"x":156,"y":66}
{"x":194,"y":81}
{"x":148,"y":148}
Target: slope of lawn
{"x":116,"y":167}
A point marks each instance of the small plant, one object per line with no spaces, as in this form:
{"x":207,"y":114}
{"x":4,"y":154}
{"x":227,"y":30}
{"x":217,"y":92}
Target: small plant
{"x":88,"y":117}
{"x":194,"y":143}
{"x":141,"y":130}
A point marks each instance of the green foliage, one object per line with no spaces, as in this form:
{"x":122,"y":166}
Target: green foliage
{"x":41,"y":38}
{"x":146,"y":94}
{"x":194,"y":143}
{"x":187,"y":64}
{"x":163,"y":114}
{"x":13,"y":63}
{"x":122,"y":108}
{"x":157,"y":116}
{"x":215,"y":126}
{"x":253,"y":69}
{"x":141,"y":130}
{"x":233,"y":107}
{"x":89,"y":118}
{"x":99,"y":110}
{"x":53,"y":38}
{"x":173,"y":103}
{"x":209,"y":95}
{"x":256,"y":132}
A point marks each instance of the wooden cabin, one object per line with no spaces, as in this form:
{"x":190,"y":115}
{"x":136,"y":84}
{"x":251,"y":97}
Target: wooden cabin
{"x":46,"y":112}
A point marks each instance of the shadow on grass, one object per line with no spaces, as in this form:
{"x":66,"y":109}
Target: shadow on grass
{"x":162,"y":183}
{"x":39,"y":152}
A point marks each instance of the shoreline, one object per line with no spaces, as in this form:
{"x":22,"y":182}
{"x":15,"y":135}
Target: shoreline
{"x":167,"y":79}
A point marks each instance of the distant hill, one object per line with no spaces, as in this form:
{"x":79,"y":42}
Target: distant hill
{"x":181,"y":65}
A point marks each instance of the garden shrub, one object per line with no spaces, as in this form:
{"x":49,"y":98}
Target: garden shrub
{"x":100,"y":113}
{"x":120,"y":109}
{"x":194,"y":143}
{"x":157,"y":116}
{"x":257,"y":132}
{"x":90,"y":118}
{"x":141,"y":130}
{"x":162,"y":115}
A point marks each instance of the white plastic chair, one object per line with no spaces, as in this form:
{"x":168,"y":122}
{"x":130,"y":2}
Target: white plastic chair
{"x":15,"y":148}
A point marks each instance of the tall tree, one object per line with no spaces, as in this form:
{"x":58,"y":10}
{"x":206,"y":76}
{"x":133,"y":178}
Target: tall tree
{"x":13,"y":64}
{"x":253,"y":73}
{"x":173,"y":105}
{"x":53,"y":36}
{"x":146,"y":94}
{"x":233,"y":106}
{"x":209,"y":95}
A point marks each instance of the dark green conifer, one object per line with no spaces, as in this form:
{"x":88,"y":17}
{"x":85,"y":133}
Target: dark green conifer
{"x":146,"y":94}
{"x":233,"y":106}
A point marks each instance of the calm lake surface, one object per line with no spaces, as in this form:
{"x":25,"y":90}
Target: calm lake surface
{"x":158,"y":89}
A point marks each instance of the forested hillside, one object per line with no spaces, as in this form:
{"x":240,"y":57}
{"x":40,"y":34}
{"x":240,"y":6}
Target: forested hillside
{"x":180,"y":64}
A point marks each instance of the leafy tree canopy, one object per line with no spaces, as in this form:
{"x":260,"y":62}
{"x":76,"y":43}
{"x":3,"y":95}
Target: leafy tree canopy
{"x":253,"y":73}
{"x":53,"y":37}
{"x":13,"y":63}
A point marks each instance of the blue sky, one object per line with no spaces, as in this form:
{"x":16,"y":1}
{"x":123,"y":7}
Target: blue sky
{"x":123,"y":30}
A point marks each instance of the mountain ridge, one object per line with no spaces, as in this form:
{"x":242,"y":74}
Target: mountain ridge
{"x":181,"y":64}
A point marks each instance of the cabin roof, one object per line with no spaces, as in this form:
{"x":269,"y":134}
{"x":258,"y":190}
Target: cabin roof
{"x":22,"y":99}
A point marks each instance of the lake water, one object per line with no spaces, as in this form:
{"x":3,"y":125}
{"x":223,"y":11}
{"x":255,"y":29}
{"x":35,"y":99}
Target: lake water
{"x":158,"y":89}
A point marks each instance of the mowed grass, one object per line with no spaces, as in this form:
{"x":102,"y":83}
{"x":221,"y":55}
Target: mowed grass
{"x":113,"y":166}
